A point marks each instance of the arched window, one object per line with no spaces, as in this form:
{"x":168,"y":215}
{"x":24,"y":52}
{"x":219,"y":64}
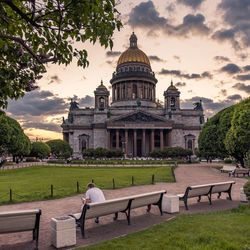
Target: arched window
{"x":84,"y":144}
{"x":190,"y":144}
{"x":172,"y":102}
{"x":101,"y":103}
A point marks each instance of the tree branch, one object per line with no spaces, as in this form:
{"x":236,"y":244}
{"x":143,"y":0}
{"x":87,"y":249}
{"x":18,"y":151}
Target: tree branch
{"x":22,"y":42}
{"x":23,"y":15}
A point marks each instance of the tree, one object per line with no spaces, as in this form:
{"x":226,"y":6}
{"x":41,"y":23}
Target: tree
{"x":40,"y":150}
{"x":34,"y":33}
{"x":238,"y":137}
{"x":12,"y":138}
{"x":60,"y":148}
{"x":213,"y":134}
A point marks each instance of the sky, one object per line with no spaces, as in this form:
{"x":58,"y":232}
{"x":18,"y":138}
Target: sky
{"x":202,"y":45}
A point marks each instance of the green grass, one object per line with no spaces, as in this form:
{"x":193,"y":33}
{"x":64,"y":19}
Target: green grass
{"x":33,"y":183}
{"x":219,"y":230}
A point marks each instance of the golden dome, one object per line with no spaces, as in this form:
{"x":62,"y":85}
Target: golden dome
{"x":101,"y":86}
{"x":133,"y":54}
{"x":172,"y":86}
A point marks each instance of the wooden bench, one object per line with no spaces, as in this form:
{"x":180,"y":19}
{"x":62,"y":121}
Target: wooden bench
{"x":227,"y":169}
{"x":115,"y":206}
{"x":243,"y":171}
{"x":207,"y":190}
{"x":20,"y":221}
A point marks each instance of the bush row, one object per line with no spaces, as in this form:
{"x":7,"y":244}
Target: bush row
{"x":171,"y":152}
{"x":101,"y":153}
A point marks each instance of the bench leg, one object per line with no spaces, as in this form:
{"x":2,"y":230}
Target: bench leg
{"x":210,"y":199}
{"x":82,"y":225}
{"x":219,"y":195}
{"x":199,"y":199}
{"x":116,"y":216}
{"x":185,"y":202}
{"x":149,"y":208}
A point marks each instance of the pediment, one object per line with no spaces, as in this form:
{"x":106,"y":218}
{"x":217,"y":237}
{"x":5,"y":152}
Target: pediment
{"x":138,"y":117}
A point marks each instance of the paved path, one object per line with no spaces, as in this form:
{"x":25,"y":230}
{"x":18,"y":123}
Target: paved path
{"x":185,"y":175}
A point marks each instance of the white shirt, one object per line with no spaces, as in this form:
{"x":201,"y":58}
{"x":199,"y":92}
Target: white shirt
{"x":95,"y":195}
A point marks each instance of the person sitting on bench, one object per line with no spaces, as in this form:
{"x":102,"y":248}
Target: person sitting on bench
{"x":93,"y":194}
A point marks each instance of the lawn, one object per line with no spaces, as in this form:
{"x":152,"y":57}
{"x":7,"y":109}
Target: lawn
{"x":34,"y":183}
{"x":217,"y":230}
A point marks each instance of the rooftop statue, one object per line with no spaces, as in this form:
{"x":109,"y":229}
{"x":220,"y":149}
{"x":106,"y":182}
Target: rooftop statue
{"x":73,"y":105}
{"x":198,"y":105}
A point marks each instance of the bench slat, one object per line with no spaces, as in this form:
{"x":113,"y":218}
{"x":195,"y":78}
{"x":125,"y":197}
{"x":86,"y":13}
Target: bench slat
{"x":17,"y":223}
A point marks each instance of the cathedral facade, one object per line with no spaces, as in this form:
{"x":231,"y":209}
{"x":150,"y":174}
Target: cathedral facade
{"x":134,"y":121}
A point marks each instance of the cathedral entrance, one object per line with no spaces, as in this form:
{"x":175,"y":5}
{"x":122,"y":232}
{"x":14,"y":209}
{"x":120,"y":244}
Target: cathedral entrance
{"x":139,"y":147}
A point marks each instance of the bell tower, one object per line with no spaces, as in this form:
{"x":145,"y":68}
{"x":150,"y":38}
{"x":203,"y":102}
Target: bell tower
{"x":101,"y":97}
{"x":172,"y":98}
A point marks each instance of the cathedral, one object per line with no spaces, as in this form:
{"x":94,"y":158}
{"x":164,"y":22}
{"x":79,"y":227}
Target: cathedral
{"x":132,"y":120}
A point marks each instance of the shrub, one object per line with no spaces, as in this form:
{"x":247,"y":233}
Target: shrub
{"x":56,"y":161}
{"x":228,"y":161}
{"x":172,"y":152}
{"x":30,"y":159}
{"x":102,"y":153}
{"x":156,"y":153}
{"x":247,"y":190}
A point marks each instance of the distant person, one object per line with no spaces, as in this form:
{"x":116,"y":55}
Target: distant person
{"x":1,"y":162}
{"x":93,"y":194}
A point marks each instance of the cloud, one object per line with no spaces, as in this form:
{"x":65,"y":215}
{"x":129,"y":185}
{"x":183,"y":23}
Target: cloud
{"x":54,"y":79}
{"x":113,"y":53}
{"x":177,"y":58}
{"x":180,"y":84}
{"x":231,"y":69}
{"x":246,"y":68}
{"x":242,"y":87}
{"x":237,"y":15}
{"x":243,"y":77}
{"x":226,"y":35}
{"x":180,"y":74}
{"x":234,"y":97}
{"x":210,"y":106}
{"x":191,"y":3}
{"x":171,"y":7}
{"x":221,"y":59}
{"x":40,"y":125}
{"x":223,"y":92}
{"x":87,"y":101}
{"x":37,"y":103}
{"x":144,"y":15}
{"x":155,"y":58}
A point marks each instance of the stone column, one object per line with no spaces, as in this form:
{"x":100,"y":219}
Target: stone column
{"x":169,"y":138}
{"x":143,"y":142}
{"x":108,"y":139}
{"x":117,"y":138}
{"x":113,"y":93}
{"x":152,"y":140}
{"x":135,"y":142}
{"x":126,"y":142}
{"x":161,"y":139}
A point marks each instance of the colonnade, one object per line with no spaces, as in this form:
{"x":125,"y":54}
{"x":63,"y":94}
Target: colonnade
{"x":133,"y":90}
{"x":138,"y":142}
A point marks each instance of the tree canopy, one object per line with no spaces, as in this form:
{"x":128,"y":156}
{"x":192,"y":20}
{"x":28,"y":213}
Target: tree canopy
{"x":34,"y":33}
{"x":237,"y":140}
{"x":12,"y":138}
{"x":227,"y":133}
{"x":40,"y":150}
{"x":60,"y":148}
